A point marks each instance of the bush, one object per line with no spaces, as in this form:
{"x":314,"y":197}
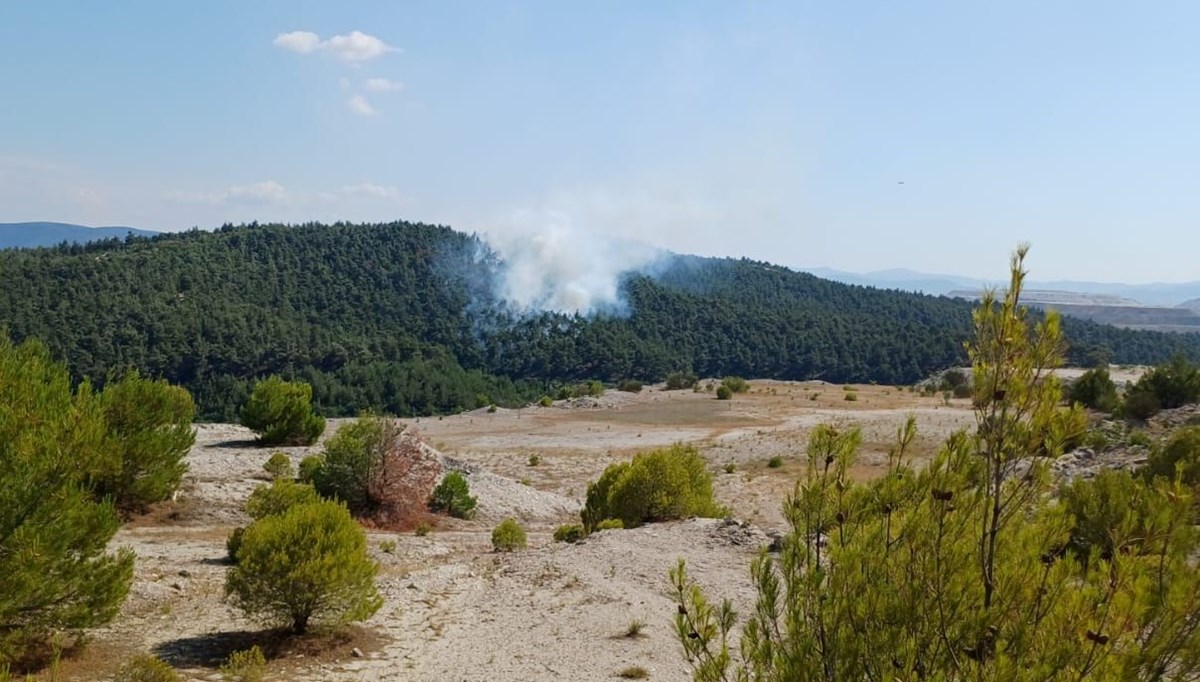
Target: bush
{"x":1139,"y":438}
{"x":535,"y":460}
{"x":736,"y":384}
{"x":963,"y":391}
{"x":730,"y":467}
{"x":1178,"y":458}
{"x":279,"y":466}
{"x":1140,"y":404}
{"x":278,"y":498}
{"x":56,"y":574}
{"x":248,"y":665}
{"x":630,"y":386}
{"x":280,"y":412}
{"x":775,"y":462}
{"x":952,"y":379}
{"x":677,"y":381}
{"x":378,"y":469}
{"x":570,"y":533}
{"x":1095,"y":390}
{"x":234,"y":542}
{"x":308,"y":565}
{"x":545,"y":401}
{"x":423,"y":528}
{"x":308,"y":468}
{"x":150,"y":423}
{"x":851,"y":396}
{"x":661,"y":485}
{"x":1106,"y":512}
{"x":610,"y":524}
{"x":146,"y":668}
{"x":453,"y":496}
{"x":724,"y":392}
{"x":508,"y":536}
{"x":1174,"y":384}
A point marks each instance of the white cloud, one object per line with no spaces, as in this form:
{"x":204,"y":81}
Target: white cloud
{"x":371,"y":190}
{"x":298,"y":41}
{"x":383,"y":85}
{"x":355,"y":49}
{"x":359,"y":105}
{"x":265,"y":192}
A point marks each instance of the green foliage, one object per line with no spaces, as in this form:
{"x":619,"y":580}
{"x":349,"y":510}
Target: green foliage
{"x":387,"y":546}
{"x":354,"y":460}
{"x":1140,"y":405}
{"x":963,"y":391}
{"x":661,"y":485}
{"x":1113,"y":511}
{"x":146,"y":668}
{"x":1140,"y":438}
{"x":952,"y":379}
{"x":453,"y":496}
{"x":308,"y":565}
{"x":233,"y":543}
{"x":571,"y":533}
{"x":851,"y":396}
{"x":309,"y":466}
{"x":248,"y":665}
{"x":775,"y":462}
{"x":546,"y":401}
{"x":54,"y":534}
{"x":423,"y":528}
{"x":1178,"y":458}
{"x":1096,"y":440}
{"x":724,"y":392}
{"x":283,"y":304}
{"x":1174,"y":384}
{"x":281,"y":413}
{"x":960,"y":569}
{"x":508,"y":536}
{"x":630,"y":386}
{"x":279,"y":465}
{"x":611,"y":524}
{"x":677,"y":381}
{"x":730,"y":467}
{"x":278,"y":498}
{"x":634,"y":672}
{"x":1095,"y":390}
{"x":535,"y":460}
{"x":150,"y":423}
{"x":736,"y":384}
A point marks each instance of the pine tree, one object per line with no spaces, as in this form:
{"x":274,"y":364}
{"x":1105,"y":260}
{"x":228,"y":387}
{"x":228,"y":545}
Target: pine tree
{"x":56,"y":572}
{"x":965,"y":568}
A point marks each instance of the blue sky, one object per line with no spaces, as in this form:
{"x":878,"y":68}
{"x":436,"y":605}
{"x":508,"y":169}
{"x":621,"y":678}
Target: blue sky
{"x":778,"y":131}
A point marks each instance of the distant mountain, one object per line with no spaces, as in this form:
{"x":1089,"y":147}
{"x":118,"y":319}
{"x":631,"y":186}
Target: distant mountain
{"x":1156,"y":294}
{"x":1193,"y":304}
{"x":28,"y":235}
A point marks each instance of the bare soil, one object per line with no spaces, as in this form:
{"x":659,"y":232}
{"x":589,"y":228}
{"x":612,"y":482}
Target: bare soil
{"x":455,"y":609}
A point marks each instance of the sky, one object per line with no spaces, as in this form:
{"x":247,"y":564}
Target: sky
{"x":854,"y":135}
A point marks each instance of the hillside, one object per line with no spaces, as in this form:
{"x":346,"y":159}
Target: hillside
{"x":28,"y":235}
{"x":400,"y":317}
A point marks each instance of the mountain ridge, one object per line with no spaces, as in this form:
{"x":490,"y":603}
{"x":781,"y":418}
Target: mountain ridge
{"x":25,"y":235}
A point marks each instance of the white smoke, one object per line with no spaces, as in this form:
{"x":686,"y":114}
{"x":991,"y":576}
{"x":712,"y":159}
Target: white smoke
{"x":552,"y":263}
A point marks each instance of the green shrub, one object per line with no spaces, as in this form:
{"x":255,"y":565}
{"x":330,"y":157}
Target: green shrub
{"x":248,"y":665}
{"x":1139,"y":437}
{"x":56,"y":574}
{"x":851,"y":396}
{"x":387,"y":546}
{"x":1107,"y":511}
{"x":572,"y":532}
{"x":508,"y":536}
{"x":963,"y":391}
{"x":1096,"y":440}
{"x":660,"y":485}
{"x":423,"y":528}
{"x":150,"y":422}
{"x":634,"y":672}
{"x":365,"y":465}
{"x":952,"y":379}
{"x":535,"y":460}
{"x":630,"y":386}
{"x":146,"y":668}
{"x":308,"y":565}
{"x":611,"y":524}
{"x":280,"y":412}
{"x":453,"y":496}
{"x":234,"y":542}
{"x":278,"y":498}
{"x":1140,"y":404}
{"x":736,"y":384}
{"x":279,"y":466}
{"x":724,"y":392}
{"x":677,"y":381}
{"x":1174,"y":384}
{"x":546,"y":401}
{"x":1178,"y":458}
{"x":1095,"y":390}
{"x":730,"y":467}
{"x":307,"y":471}
{"x":775,"y":462}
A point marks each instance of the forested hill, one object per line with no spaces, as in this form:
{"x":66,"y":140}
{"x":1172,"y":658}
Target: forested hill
{"x":399,"y":317}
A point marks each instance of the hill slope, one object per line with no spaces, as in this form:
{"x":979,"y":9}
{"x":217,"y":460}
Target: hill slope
{"x":400,"y":317}
{"x":28,"y":235}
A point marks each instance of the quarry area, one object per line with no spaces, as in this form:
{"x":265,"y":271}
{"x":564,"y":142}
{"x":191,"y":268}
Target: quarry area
{"x":455,"y":609}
